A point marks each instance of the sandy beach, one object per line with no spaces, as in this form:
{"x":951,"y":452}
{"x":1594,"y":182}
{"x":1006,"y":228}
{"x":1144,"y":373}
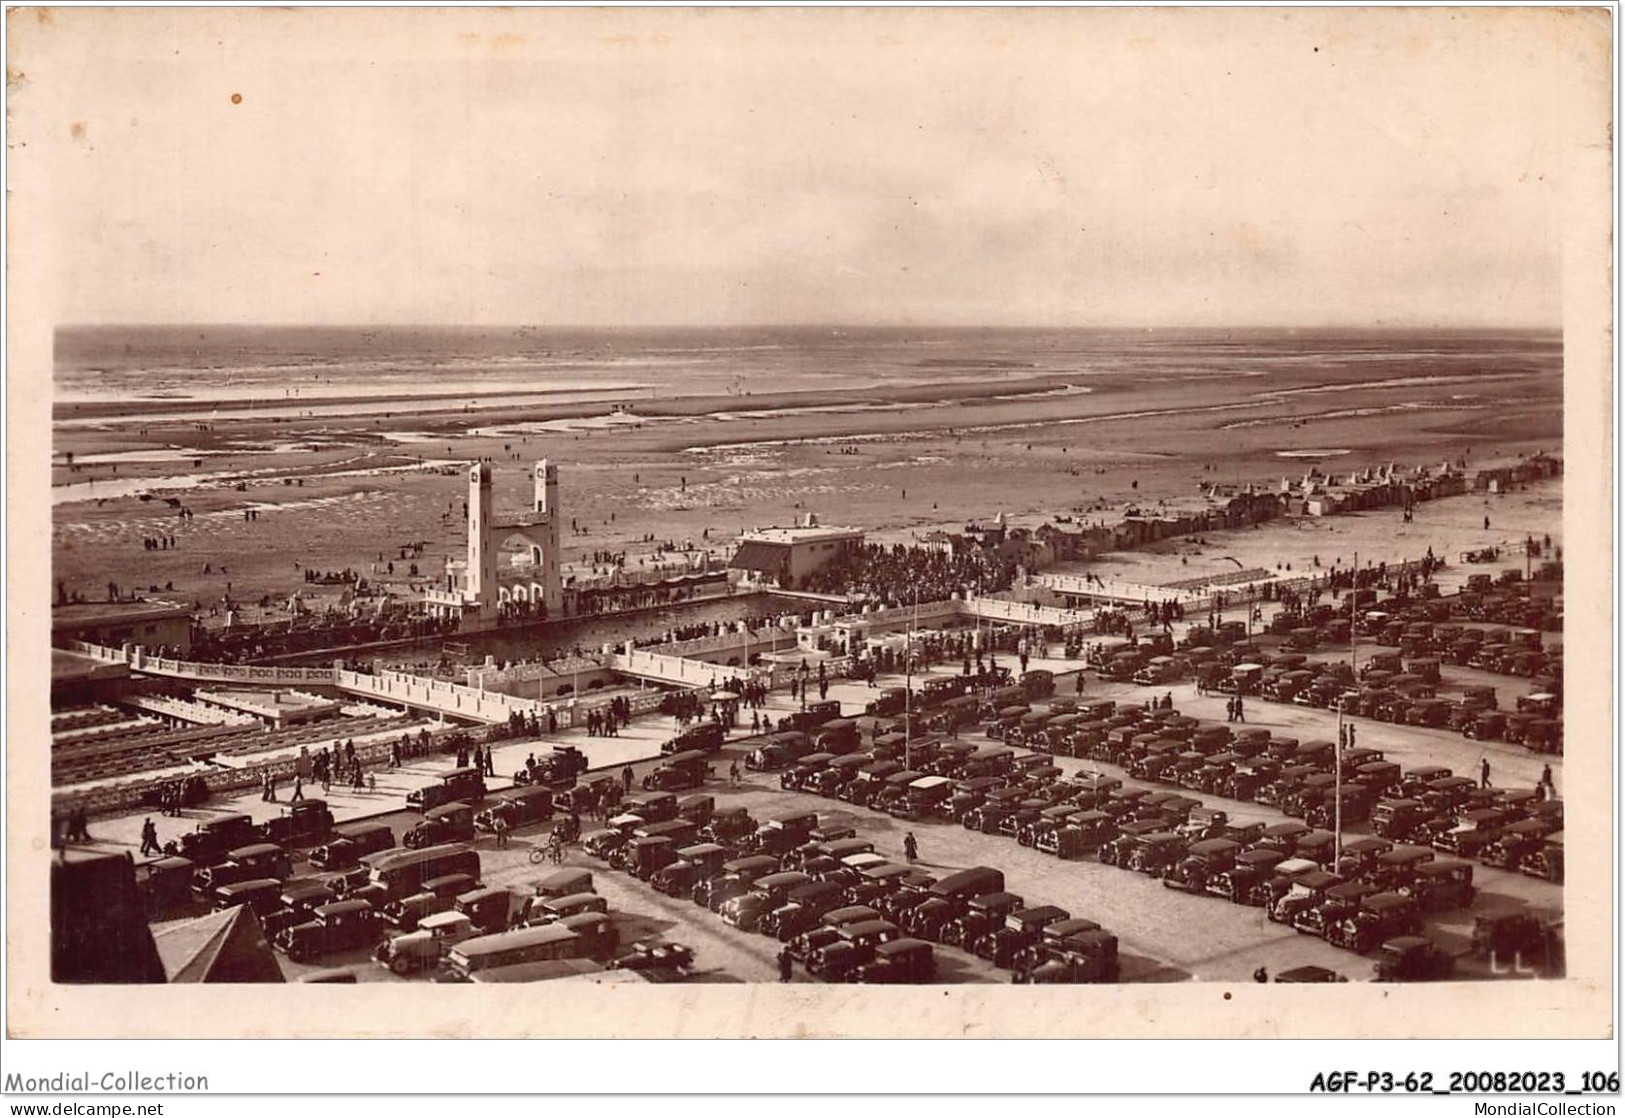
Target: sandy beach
{"x":950,"y":440}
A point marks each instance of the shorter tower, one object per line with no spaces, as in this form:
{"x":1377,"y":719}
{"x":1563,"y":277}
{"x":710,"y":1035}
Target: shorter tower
{"x":482,"y":548}
{"x":549,"y":510}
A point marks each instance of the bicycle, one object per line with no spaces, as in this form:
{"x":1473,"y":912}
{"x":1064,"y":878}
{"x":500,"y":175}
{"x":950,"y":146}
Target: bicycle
{"x":552,"y":852}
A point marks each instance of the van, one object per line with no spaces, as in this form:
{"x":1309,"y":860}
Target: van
{"x":466,"y":784}
{"x":517,"y":807}
{"x":491,"y":908}
{"x":506,"y":949}
{"x":400,"y":873}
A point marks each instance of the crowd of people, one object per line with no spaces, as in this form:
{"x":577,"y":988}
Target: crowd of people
{"x":906,"y":573}
{"x":330,"y":628}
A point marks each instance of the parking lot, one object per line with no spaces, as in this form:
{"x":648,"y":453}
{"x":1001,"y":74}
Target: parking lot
{"x":1165,"y":935}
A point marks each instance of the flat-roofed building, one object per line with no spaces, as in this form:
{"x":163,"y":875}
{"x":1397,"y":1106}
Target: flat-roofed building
{"x":149,"y":622}
{"x":787,"y":557}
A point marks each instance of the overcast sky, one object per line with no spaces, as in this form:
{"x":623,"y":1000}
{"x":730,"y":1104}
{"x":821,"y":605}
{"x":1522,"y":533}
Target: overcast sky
{"x":1041,"y":167}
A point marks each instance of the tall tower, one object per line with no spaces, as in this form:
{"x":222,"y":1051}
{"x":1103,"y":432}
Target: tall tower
{"x":482,"y":552}
{"x":547,"y":503}
{"x":547,"y":486}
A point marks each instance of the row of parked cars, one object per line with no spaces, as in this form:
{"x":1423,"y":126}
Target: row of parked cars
{"x":782,"y":877}
{"x":1510,"y":828}
{"x":1382,"y":889}
{"x":454,"y":928}
{"x":1449,"y":628}
{"x":1391,"y":688}
{"x":849,"y":914}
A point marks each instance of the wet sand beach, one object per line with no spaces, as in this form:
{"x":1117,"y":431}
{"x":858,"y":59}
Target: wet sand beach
{"x":944,"y":440}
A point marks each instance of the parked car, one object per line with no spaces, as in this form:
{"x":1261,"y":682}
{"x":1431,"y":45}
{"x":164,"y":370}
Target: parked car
{"x":422,"y":949}
{"x":1309,"y":973}
{"x":1203,"y":862}
{"x":257,"y":860}
{"x":736,"y":878}
{"x":166,"y":883}
{"x":1414,"y":959}
{"x":1302,"y":893}
{"x":1381,"y":917}
{"x":1021,"y":930}
{"x":899,"y":961}
{"x":801,"y":910}
{"x":766,"y":893}
{"x":550,"y":910}
{"x":1546,"y":862}
{"x":1442,"y":884}
{"x":1248,"y":875}
{"x":1157,"y":853}
{"x":351,"y":843}
{"x":707,"y":737}
{"x":214,"y":839}
{"x":302,"y":822}
{"x":341,"y":926}
{"x":981,"y":915}
{"x":655,"y":957}
{"x":261,"y":894}
{"x":1510,"y":937}
{"x":466,"y":785}
{"x":695,"y":863}
{"x":1088,"y":956}
{"x":1517,"y":841}
{"x":294,"y":904}
{"x":447,"y":822}
{"x":521,"y":806}
{"x":853,"y":946}
{"x":563,"y":883}
{"x":490,"y":908}
{"x":437,"y":895}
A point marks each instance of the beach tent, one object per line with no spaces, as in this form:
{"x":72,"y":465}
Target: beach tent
{"x":225,"y":946}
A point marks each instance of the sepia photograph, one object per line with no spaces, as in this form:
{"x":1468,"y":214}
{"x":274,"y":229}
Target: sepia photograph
{"x":674,"y":513}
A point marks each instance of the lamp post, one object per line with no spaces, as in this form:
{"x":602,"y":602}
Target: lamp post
{"x":908,"y":685}
{"x":1342,"y":731}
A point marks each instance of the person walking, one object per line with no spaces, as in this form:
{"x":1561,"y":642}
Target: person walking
{"x":499,"y":827}
{"x":733,"y":774}
{"x":490,"y":763}
{"x":298,"y":789}
{"x":787,"y":964}
{"x":149,"y":838}
{"x":911,"y":847}
{"x":1484,"y":772}
{"x":1241,"y":714}
{"x":626,"y":778}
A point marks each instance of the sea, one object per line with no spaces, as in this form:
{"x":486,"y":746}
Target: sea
{"x":218,"y":365}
